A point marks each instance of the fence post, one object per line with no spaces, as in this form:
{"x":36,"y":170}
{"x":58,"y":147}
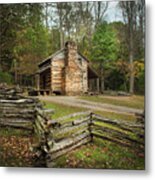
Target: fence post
{"x":90,"y":126}
{"x":42,"y":118}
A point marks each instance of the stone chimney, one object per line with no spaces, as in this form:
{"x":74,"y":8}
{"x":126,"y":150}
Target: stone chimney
{"x":71,"y":53}
{"x":73,"y":74}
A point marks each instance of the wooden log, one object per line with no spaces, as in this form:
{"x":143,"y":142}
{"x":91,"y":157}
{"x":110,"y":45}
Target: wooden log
{"x":62,"y":130}
{"x":104,"y":137}
{"x":81,"y":120}
{"x":53,"y":156}
{"x":117,"y":134}
{"x":56,"y":82}
{"x":122,"y":125}
{"x":57,"y":139}
{"x":21,"y":120}
{"x":19,"y":106}
{"x":45,"y":113}
{"x":63,"y":124}
{"x":24,"y":125}
{"x":67,"y":142}
{"x":19,"y":101}
{"x":60,"y":120}
{"x":19,"y":116}
{"x":41,"y":122}
{"x":117,"y":129}
{"x":39,"y":129}
{"x":8,"y":110}
{"x":69,"y":131}
{"x":57,"y":78}
{"x":119,"y":122}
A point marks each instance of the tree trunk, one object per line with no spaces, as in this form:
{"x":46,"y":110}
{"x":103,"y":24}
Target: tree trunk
{"x":61,"y":38}
{"x":131,"y":55}
{"x":16,"y":77}
{"x":46,"y":14}
{"x":61,"y":34}
{"x":98,"y":85}
{"x":131,"y":90}
{"x":102,"y":84}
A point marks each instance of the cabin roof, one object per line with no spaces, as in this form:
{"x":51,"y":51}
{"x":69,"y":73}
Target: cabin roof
{"x":49,"y":58}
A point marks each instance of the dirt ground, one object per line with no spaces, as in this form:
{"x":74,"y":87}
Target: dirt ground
{"x":75,"y":102}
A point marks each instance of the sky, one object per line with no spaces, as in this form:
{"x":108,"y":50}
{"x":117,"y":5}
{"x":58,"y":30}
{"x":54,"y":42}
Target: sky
{"x":113,"y":12}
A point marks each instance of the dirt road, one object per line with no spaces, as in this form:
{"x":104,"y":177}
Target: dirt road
{"x":75,"y":102}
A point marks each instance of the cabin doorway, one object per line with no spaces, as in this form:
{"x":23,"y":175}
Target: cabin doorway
{"x":44,"y":81}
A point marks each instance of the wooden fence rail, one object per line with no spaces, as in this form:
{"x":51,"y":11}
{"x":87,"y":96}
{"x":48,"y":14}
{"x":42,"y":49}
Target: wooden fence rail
{"x":19,"y":113}
{"x":67,"y":133}
{"x":64,"y":134}
{"x":56,"y":137}
{"x":127,"y":134}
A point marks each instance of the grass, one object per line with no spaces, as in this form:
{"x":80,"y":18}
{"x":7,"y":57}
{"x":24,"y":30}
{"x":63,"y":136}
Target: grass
{"x":62,"y":110}
{"x":14,"y":146}
{"x":8,"y":131}
{"x":103,"y":155}
{"x":100,"y":154}
{"x":134,"y":101}
{"x":113,"y":115}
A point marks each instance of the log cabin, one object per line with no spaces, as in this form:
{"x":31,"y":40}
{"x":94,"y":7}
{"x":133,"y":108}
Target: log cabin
{"x":66,"y":72}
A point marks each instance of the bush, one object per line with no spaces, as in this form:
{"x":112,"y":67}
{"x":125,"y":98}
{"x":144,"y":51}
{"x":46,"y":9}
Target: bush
{"x":140,"y":83}
{"x":5,"y":77}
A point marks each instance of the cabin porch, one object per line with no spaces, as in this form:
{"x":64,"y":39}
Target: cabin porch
{"x":93,"y":81}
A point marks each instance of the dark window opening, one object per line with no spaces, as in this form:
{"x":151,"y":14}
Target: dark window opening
{"x":57,"y":92}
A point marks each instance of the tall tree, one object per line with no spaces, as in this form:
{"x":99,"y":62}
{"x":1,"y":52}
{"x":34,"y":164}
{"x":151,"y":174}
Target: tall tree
{"x":23,"y":37}
{"x":105,"y":48}
{"x":11,"y":20}
{"x":141,"y":26}
{"x":31,"y":41}
{"x":128,"y":10}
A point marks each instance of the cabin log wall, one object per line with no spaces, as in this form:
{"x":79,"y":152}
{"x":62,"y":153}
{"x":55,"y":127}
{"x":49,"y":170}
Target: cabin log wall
{"x":57,"y":75}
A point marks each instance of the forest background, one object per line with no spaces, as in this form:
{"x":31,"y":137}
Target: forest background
{"x":30,"y":32}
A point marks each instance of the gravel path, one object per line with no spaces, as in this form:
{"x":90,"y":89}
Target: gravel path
{"x":75,"y":102}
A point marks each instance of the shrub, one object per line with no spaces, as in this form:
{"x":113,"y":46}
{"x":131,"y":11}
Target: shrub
{"x":5,"y":77}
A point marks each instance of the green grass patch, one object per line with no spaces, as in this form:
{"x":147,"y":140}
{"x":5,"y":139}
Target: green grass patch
{"x":61,"y":110}
{"x":130,"y":101}
{"x":10,"y":131}
{"x":104,"y":155}
{"x":113,"y":115}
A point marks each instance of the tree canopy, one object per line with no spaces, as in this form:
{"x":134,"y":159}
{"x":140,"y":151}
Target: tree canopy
{"x":30,"y":32}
